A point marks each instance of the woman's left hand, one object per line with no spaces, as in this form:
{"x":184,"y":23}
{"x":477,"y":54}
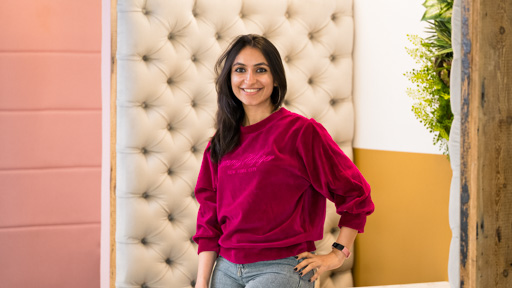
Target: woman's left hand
{"x":321,"y":263}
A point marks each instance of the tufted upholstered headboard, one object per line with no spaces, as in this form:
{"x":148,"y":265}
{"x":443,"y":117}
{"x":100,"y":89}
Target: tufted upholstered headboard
{"x":166,"y":104}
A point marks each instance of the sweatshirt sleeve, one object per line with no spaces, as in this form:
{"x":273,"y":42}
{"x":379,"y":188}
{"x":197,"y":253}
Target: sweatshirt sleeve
{"x":333,"y":174}
{"x":208,"y":230}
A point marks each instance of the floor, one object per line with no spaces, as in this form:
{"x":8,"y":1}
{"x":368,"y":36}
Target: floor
{"x":415,"y":285}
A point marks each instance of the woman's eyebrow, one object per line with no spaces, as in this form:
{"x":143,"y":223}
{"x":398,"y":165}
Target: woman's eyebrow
{"x":257,"y":64}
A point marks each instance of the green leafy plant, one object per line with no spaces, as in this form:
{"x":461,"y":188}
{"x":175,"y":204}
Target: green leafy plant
{"x":434,"y":55}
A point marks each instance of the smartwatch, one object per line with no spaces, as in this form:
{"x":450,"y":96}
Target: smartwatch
{"x":342,"y":248}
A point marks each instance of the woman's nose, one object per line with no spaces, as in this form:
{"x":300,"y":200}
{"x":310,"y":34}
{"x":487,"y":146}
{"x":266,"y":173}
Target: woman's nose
{"x":249,"y":77}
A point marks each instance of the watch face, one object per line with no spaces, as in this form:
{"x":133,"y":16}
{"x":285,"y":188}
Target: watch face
{"x":338,"y":246}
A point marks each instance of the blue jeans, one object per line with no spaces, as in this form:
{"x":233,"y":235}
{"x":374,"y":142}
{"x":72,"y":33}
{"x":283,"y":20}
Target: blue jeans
{"x":265,"y":274}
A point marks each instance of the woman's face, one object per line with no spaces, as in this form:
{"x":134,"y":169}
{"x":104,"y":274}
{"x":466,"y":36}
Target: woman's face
{"x":251,"y":80}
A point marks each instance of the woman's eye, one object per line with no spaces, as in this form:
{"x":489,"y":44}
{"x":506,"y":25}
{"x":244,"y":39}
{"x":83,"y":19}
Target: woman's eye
{"x":239,"y":70}
{"x":261,"y":70}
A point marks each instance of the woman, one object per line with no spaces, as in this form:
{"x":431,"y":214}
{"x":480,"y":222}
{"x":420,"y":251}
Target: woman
{"x":264,"y":179}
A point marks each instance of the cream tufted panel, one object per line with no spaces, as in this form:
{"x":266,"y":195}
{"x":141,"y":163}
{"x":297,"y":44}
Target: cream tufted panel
{"x":166,"y":105}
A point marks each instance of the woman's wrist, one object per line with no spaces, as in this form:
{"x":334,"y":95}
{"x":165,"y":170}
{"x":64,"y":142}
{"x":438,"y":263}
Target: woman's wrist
{"x":203,"y":280}
{"x":340,"y":255}
{"x":202,"y":283}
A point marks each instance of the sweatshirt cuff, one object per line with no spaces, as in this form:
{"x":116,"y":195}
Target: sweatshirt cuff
{"x":208,"y":245}
{"x":354,"y":221}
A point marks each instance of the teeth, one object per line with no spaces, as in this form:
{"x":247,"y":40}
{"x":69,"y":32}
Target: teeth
{"x":251,"y":90}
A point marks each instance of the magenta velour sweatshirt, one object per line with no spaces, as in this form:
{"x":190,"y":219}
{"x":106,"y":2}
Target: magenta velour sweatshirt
{"x":265,"y":200}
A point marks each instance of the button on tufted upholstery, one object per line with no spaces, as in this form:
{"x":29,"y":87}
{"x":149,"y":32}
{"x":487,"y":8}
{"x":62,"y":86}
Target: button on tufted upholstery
{"x":166,"y":104}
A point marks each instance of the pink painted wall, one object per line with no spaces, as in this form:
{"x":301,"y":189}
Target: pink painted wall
{"x":50,"y":143}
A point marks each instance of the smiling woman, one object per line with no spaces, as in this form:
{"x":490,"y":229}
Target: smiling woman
{"x":258,"y":220}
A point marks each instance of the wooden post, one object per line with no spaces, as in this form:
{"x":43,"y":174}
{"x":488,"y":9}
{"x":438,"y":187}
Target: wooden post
{"x":113,"y":140}
{"x":486,"y":142}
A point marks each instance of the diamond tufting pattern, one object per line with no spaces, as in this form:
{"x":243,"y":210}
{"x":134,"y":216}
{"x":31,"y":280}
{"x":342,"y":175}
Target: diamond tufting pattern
{"x":166,"y":104}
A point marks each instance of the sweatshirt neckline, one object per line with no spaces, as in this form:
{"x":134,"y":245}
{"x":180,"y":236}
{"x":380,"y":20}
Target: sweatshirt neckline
{"x":263,"y":123}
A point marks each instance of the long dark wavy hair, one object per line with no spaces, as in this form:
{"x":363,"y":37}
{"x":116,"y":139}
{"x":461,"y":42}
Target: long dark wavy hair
{"x":231,"y":113}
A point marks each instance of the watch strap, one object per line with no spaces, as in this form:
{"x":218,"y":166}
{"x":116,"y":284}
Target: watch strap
{"x":342,"y":248}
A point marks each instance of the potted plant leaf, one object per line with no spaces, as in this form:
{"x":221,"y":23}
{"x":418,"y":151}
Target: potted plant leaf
{"x":434,"y":55}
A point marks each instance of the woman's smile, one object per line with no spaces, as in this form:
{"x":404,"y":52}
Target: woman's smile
{"x":251,"y":90}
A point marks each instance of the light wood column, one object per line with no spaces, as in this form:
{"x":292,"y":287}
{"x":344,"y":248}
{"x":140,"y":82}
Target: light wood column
{"x":486,"y":140}
{"x":113,"y":140}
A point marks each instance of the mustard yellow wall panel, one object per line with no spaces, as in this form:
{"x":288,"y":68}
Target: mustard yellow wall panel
{"x":407,"y":238}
